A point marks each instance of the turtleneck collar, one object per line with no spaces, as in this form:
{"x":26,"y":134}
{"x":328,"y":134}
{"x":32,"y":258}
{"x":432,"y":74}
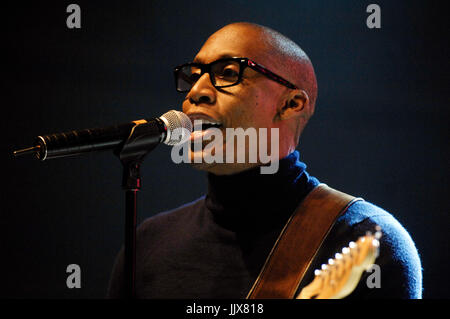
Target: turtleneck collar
{"x":250,"y":198}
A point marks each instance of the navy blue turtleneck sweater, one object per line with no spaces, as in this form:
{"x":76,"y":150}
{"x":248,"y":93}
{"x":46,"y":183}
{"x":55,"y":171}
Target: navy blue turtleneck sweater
{"x":216,"y":246}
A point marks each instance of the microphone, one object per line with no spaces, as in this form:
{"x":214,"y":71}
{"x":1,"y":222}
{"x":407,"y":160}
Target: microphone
{"x":171,"y":128}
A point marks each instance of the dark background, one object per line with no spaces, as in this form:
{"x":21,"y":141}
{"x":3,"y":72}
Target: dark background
{"x":380,"y":130}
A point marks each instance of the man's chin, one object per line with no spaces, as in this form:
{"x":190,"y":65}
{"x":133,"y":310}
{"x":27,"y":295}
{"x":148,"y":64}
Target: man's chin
{"x":222,"y":168}
{"x":219,"y":165}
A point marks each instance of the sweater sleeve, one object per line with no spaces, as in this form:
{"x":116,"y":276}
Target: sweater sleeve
{"x":397,"y":273}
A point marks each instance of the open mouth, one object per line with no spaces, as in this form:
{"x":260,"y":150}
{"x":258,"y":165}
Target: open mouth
{"x":203,"y":125}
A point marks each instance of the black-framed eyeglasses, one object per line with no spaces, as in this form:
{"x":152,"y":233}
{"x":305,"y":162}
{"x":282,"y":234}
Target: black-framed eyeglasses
{"x":223,"y":73}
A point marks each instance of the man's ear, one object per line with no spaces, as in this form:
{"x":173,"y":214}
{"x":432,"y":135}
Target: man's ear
{"x":296,"y":104}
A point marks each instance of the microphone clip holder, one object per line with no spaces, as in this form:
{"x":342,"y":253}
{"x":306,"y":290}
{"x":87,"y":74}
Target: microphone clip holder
{"x":138,"y":144}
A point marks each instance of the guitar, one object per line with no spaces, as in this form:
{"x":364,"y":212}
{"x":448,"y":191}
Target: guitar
{"x":341,"y":275}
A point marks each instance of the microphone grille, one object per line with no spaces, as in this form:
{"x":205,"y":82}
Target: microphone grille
{"x":179,"y":127}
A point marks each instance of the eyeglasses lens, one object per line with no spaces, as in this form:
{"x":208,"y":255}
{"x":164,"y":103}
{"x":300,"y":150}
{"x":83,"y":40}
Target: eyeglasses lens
{"x":224,"y":73}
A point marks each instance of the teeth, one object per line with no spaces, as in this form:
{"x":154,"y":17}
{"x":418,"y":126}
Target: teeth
{"x":201,"y":122}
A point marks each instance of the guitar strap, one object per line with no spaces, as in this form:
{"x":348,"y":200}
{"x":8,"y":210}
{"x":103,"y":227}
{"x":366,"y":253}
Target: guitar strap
{"x":298,"y":243}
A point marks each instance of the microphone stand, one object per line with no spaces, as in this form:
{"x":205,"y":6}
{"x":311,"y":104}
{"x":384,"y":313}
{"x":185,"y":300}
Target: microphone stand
{"x":142,"y":139}
{"x":138,"y":144}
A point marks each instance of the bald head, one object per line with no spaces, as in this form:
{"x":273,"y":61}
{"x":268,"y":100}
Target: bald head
{"x":282,"y":55}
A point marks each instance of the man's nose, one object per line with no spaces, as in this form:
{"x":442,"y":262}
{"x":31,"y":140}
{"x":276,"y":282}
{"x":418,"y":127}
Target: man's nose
{"x":203,"y":91}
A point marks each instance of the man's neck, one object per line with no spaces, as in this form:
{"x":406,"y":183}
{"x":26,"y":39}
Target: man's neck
{"x":242,"y":198}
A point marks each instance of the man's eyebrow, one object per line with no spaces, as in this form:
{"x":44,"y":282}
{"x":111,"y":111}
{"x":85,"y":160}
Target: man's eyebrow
{"x":222,"y":56}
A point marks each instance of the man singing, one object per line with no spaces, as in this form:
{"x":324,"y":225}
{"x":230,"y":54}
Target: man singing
{"x":251,"y":77}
